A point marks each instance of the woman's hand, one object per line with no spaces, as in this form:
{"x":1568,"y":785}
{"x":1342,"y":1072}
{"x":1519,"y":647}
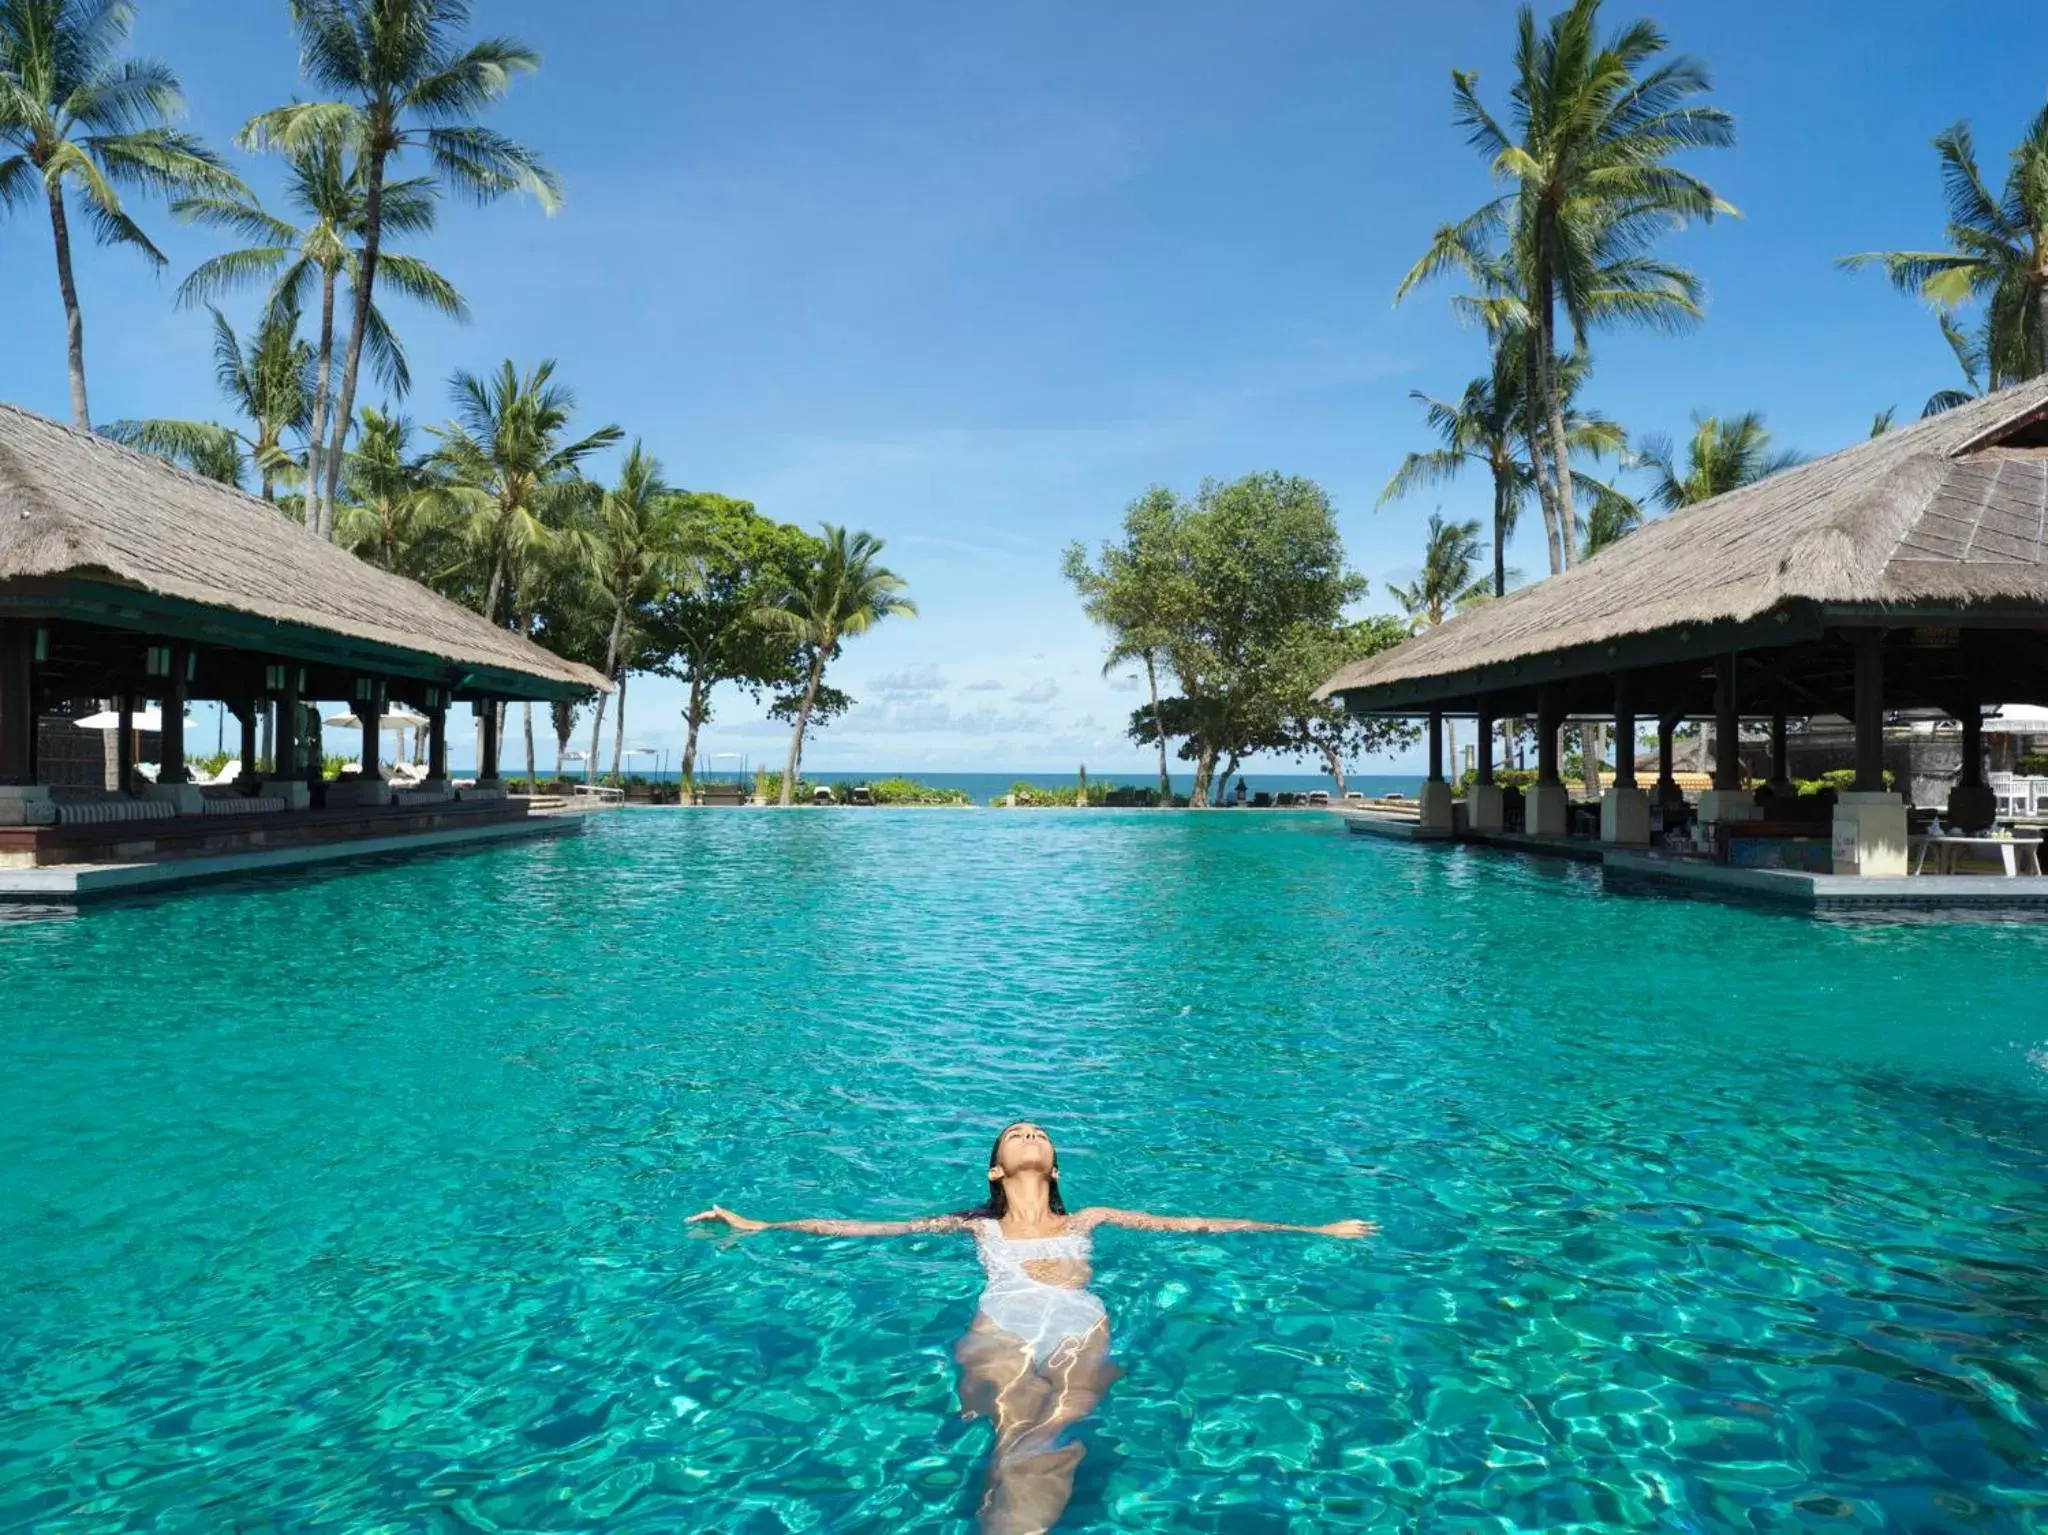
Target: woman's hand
{"x":1349,"y":1229}
{"x":738,"y":1222}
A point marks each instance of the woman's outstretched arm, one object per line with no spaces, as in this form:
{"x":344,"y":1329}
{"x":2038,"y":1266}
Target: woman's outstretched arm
{"x":826,"y":1228}
{"x":1143,"y":1220}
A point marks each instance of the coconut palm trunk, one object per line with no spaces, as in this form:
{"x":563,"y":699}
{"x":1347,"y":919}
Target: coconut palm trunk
{"x":1539,"y":460}
{"x":611,"y":666}
{"x":316,"y":437}
{"x":74,"y":321}
{"x":2041,"y":317}
{"x":803,"y":720}
{"x":1158,"y":728}
{"x":1560,"y":445}
{"x":359,"y":321}
{"x":1500,"y":532}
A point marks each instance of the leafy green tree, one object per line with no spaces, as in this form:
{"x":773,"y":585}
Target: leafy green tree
{"x":708,"y":634}
{"x":306,"y":262}
{"x":1590,"y":188}
{"x":1132,"y":591}
{"x":398,"y":512}
{"x":76,"y":116}
{"x":844,"y":594}
{"x":1998,"y":252}
{"x":269,"y":379}
{"x":1246,"y":570}
{"x":402,"y":81}
{"x":1721,"y":456}
{"x":1322,"y":729}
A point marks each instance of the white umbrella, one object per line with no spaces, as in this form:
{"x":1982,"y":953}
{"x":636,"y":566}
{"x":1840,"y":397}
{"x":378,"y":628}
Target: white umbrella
{"x":398,"y":717}
{"x":2017,"y":720}
{"x":110,"y":719}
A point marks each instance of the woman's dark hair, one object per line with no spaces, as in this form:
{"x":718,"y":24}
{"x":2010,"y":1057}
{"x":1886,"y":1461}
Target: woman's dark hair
{"x":997,"y":1205}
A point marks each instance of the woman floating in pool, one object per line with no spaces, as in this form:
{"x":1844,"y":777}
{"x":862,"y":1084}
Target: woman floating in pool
{"x":1036,"y":1358}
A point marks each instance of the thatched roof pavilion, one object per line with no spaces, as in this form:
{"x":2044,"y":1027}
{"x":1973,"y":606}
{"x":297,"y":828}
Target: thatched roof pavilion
{"x":122,"y":576}
{"x":1908,"y":570}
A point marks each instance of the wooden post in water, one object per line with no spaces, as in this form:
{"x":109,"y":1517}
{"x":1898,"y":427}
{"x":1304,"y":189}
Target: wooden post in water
{"x":170,"y":767}
{"x":17,"y":702}
{"x":1869,"y":644}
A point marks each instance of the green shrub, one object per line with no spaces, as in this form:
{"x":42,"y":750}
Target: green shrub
{"x":906,"y":791}
{"x":1505,"y":777}
{"x":1041,"y":796}
{"x":2034,"y":764}
{"x":1841,"y":780}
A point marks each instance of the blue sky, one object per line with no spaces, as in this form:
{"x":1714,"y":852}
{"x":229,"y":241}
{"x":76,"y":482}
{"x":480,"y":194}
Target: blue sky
{"x":974,"y":277}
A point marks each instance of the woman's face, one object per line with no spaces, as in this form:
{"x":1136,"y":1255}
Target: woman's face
{"x":1024,"y":1146}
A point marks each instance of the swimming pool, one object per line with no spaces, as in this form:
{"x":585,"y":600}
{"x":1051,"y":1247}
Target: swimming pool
{"x":356,"y":1202}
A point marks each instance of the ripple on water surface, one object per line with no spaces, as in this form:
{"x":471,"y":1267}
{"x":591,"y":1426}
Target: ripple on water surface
{"x":355,"y":1201}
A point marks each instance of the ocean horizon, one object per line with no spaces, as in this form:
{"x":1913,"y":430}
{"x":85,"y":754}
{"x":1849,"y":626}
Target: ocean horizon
{"x":984,"y":786}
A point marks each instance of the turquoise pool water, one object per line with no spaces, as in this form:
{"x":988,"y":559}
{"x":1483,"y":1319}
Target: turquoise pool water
{"x":356,"y":1202}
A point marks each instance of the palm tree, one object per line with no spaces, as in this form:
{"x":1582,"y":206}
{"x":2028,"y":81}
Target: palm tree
{"x":1447,"y":582}
{"x":516,"y":473}
{"x":1452,"y":578}
{"x":404,"y":83}
{"x":642,"y":545}
{"x":269,"y":378}
{"x":1721,"y":456}
{"x":1999,"y":252}
{"x":515,"y":470}
{"x":1484,"y":426}
{"x":399,"y":505}
{"x":72,"y":112}
{"x":843,"y":594}
{"x":326,"y":188}
{"x":1590,"y":188}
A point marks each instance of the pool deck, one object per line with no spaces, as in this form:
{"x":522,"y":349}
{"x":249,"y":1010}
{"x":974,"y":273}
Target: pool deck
{"x":78,"y":881}
{"x":1792,"y":889}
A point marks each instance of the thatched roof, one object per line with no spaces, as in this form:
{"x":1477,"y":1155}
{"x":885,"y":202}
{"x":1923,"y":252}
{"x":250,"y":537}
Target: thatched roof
{"x":73,"y":504}
{"x":1948,"y":512}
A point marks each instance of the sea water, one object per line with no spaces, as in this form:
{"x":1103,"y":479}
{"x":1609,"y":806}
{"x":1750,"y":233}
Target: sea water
{"x":357,"y":1201}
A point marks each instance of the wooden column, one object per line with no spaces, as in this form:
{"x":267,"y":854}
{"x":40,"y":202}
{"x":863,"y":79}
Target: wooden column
{"x":1667,"y":733}
{"x":1869,"y":647}
{"x":1624,"y":732}
{"x":1549,"y":721}
{"x":1436,"y":746}
{"x":124,"y":745}
{"x":487,"y":750}
{"x":286,"y":739}
{"x":370,"y":711}
{"x":1973,"y":745}
{"x":246,"y":715}
{"x":1484,"y":724}
{"x":1781,"y":761}
{"x":17,"y":701}
{"x":437,"y":742}
{"x":1727,"y":727}
{"x":170,"y":761}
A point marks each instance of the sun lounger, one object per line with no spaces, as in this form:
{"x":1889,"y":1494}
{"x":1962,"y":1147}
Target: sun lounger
{"x":214,"y":800}
{"x":103,"y":807}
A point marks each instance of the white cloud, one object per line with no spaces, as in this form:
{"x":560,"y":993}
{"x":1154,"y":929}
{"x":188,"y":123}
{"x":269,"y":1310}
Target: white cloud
{"x":932,"y":717}
{"x":986,"y":685}
{"x":912,"y":682}
{"x":1044,"y":691}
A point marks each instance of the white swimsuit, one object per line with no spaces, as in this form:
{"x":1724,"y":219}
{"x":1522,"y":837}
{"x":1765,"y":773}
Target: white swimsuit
{"x":1044,"y":1315}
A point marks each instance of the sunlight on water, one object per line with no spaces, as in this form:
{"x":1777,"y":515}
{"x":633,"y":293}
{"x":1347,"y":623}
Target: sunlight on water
{"x":356,"y":1201}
